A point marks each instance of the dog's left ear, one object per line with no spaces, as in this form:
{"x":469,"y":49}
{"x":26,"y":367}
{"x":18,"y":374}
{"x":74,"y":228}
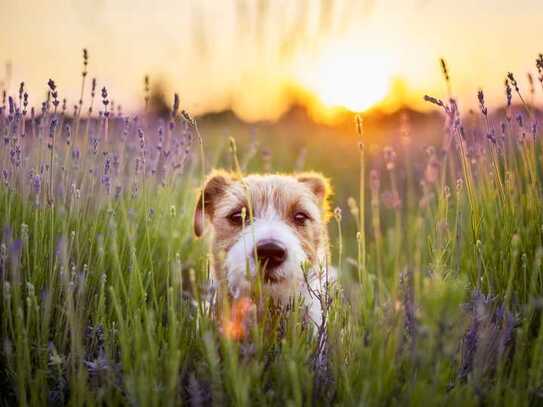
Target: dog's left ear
{"x":213,"y":188}
{"x":319,"y":185}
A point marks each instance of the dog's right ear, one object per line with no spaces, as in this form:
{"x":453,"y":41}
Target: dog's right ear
{"x":213,"y":188}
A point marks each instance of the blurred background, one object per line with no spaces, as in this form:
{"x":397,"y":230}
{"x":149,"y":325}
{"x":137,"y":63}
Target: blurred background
{"x":259,"y":58}
{"x":284,"y":78}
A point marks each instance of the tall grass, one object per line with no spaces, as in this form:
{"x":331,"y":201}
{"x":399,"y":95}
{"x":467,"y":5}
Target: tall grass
{"x":103,"y":286}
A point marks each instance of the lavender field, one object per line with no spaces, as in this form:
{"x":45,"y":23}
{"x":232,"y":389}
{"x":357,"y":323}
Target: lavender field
{"x":438,"y":245}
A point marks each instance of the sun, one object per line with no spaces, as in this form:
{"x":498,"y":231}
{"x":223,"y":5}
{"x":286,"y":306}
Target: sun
{"x":348,"y":79}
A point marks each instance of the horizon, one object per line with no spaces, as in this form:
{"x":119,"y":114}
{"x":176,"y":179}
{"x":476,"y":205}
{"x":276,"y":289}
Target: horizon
{"x":328,"y":56}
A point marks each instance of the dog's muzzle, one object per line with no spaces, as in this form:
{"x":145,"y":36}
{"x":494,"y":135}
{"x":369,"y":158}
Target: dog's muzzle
{"x":270,"y":254}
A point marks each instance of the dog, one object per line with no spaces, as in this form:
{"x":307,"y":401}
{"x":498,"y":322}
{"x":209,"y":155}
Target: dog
{"x":271,"y":227}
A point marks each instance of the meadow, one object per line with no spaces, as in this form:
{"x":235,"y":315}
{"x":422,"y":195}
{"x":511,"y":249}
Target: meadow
{"x":439,"y":248}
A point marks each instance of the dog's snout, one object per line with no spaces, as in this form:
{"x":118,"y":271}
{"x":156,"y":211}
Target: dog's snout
{"x":271,"y":253}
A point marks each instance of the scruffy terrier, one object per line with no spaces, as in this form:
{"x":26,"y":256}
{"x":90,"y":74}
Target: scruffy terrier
{"x":271,"y":225}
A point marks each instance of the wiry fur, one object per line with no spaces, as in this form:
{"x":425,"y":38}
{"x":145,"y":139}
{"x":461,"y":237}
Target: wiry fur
{"x":273,"y":200}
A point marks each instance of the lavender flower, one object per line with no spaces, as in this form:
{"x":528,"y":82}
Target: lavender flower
{"x":539,"y":65}
{"x":68,"y":132}
{"x":105,"y":101}
{"x":11,"y":106}
{"x":531,"y":83}
{"x":52,"y":128}
{"x":21,"y":90}
{"x":54,"y":92}
{"x":513,"y":81}
{"x":85,"y":62}
{"x":141,"y":136}
{"x":444,"y":69}
{"x":146,"y":90}
{"x":36,"y":184}
{"x":25,"y":102}
{"x":520,"y":120}
{"x":481,"y":98}
{"x":508,"y":92}
{"x":469,"y":347}
{"x":5,"y":177}
{"x":106,"y":179}
{"x":491,"y":137}
{"x":433,"y":100}
{"x":98,"y":366}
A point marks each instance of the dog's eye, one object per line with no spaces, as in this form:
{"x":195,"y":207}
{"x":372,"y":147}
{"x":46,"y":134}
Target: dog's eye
{"x":300,"y":218}
{"x":236,"y":218}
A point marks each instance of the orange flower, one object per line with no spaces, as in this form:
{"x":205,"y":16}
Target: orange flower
{"x":234,"y":323}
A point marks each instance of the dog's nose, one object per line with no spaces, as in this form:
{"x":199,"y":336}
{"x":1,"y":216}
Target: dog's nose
{"x":271,"y":253}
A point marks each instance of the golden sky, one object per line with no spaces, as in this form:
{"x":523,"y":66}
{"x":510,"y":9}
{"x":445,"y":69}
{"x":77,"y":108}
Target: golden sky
{"x":252,"y":55}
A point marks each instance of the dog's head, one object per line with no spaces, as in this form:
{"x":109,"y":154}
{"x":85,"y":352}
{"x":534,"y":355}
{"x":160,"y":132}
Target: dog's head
{"x":266,"y":224}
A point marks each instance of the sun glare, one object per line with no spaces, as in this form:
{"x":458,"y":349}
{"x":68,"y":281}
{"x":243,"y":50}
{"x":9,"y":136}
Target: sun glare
{"x":342,"y":78}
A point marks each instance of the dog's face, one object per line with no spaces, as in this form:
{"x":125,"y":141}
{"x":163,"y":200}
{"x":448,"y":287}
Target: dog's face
{"x":266,"y":224}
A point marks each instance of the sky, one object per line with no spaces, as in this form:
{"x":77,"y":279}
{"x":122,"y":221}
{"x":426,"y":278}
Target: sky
{"x":258,"y":57}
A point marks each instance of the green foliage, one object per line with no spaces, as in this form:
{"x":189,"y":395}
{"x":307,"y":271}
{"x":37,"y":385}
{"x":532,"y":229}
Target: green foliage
{"x":102,"y":300}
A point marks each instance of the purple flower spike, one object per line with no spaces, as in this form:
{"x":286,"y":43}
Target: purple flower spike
{"x":36,"y":184}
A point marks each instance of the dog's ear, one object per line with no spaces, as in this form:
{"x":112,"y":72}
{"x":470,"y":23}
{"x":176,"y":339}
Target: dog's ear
{"x":319,"y":185}
{"x":213,"y":188}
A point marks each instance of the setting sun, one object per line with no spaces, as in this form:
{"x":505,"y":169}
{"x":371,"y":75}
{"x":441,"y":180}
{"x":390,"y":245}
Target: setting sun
{"x":355,"y":81}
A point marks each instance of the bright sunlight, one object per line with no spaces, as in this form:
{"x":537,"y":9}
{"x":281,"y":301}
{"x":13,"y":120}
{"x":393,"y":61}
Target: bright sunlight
{"x":352,"y":80}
